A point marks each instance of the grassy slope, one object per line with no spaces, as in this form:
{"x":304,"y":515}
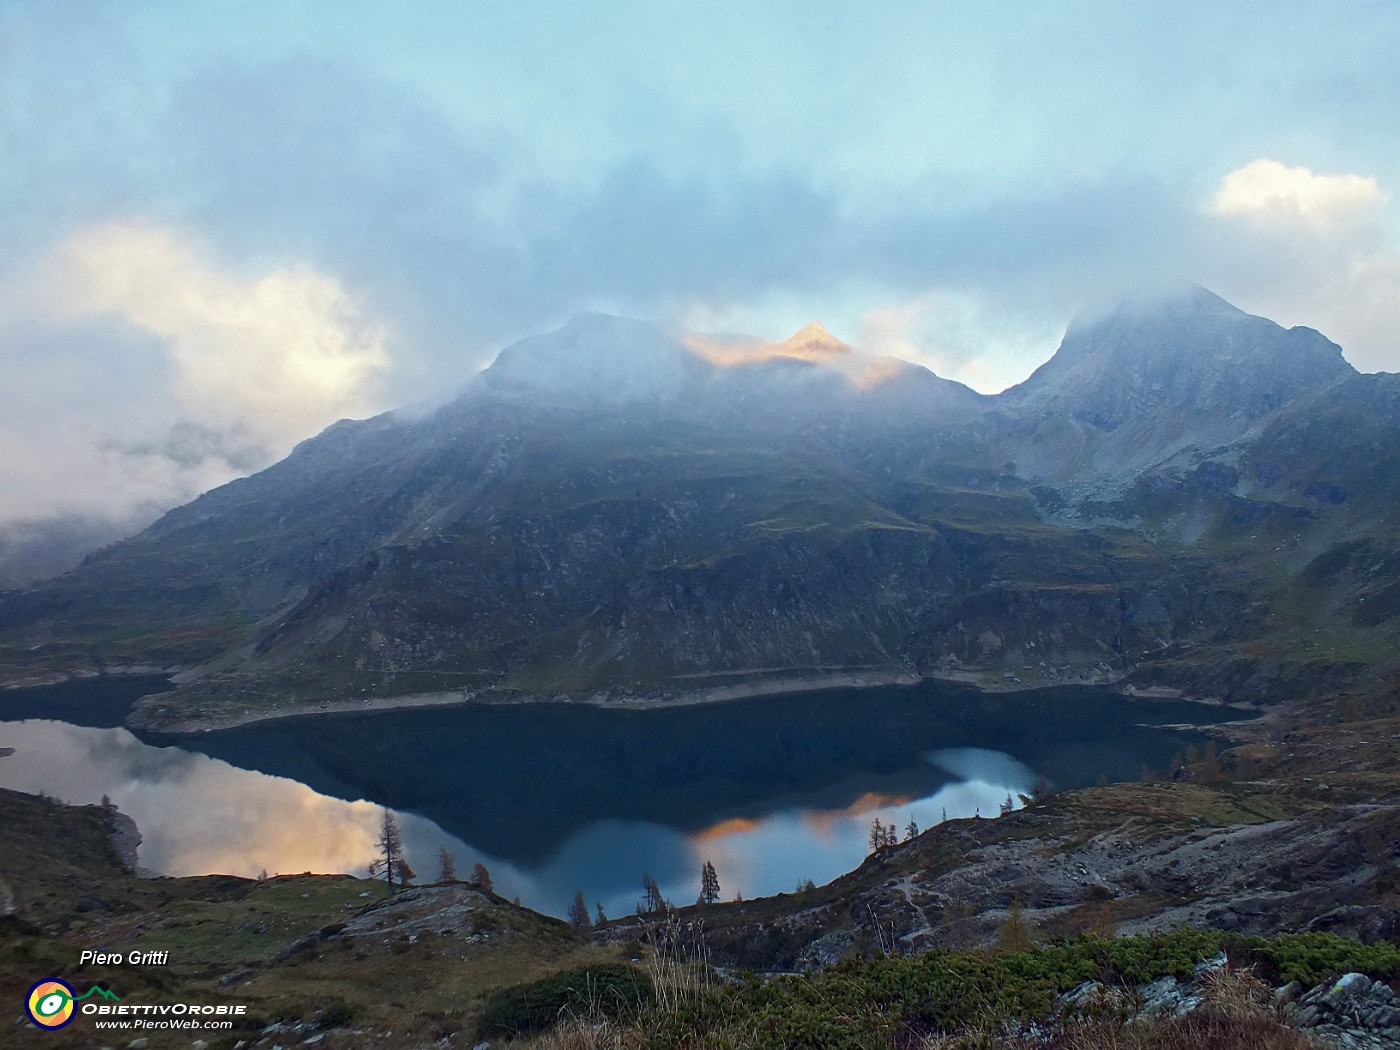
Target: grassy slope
{"x":71,"y":893}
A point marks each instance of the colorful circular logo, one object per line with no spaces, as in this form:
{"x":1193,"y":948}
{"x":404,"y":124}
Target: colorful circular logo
{"x":50,"y":1003}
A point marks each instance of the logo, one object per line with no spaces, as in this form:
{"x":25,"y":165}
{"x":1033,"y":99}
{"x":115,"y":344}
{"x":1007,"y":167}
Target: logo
{"x":50,"y":1002}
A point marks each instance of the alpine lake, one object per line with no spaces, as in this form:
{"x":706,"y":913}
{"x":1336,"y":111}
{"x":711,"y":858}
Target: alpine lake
{"x":558,"y":798}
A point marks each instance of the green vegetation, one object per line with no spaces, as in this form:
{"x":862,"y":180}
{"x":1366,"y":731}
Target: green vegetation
{"x":883,"y":1002}
{"x":594,"y":992}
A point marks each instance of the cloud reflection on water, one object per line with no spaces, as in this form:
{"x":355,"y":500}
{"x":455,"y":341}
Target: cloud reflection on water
{"x":197,"y":815}
{"x":201,"y":815}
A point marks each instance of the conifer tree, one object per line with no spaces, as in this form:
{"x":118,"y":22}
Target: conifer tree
{"x":447,"y":866}
{"x":578,"y":912}
{"x":709,"y":884}
{"x":1207,"y":770}
{"x":602,"y":916}
{"x":482,"y":878}
{"x":1013,"y":935}
{"x":390,"y":863}
{"x":911,"y":830}
{"x":652,"y":901}
{"x":877,"y":834}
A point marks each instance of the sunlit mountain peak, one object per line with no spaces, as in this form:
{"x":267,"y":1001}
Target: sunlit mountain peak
{"x":812,"y":342}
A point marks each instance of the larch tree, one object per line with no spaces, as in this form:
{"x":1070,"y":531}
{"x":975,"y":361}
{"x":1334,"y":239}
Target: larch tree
{"x":652,"y":901}
{"x":1013,"y":933}
{"x":578,"y":912}
{"x":482,"y":878}
{"x":877,"y":834}
{"x":447,"y":866}
{"x":709,"y":884}
{"x":390,"y":863}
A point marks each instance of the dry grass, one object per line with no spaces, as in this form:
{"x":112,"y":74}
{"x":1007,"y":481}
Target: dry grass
{"x":1238,"y":1014}
{"x":580,"y":1034}
{"x":1202,"y":1030}
{"x":678,"y":962}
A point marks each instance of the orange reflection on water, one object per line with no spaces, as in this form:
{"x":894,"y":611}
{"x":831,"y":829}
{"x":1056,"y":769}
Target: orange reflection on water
{"x":823,"y":822}
{"x":732,"y":826}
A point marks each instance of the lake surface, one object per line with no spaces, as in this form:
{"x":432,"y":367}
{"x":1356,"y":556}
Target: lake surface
{"x":559,"y":798}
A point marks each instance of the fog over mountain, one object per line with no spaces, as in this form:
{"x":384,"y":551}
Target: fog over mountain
{"x":622,"y":508}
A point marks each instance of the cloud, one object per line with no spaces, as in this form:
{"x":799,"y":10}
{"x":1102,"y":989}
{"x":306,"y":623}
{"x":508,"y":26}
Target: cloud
{"x":1314,"y":250}
{"x":274,"y":357}
{"x":959,"y":335}
{"x":1269,"y":192}
{"x":305,"y":211}
{"x":140,"y":374}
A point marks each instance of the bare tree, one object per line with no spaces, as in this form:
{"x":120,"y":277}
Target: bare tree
{"x":651,"y":896}
{"x":447,"y":866}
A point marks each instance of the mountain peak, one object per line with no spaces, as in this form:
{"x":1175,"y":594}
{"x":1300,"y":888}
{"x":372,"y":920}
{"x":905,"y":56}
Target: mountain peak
{"x":812,"y":342}
{"x":811,"y":330}
{"x":1184,"y":358}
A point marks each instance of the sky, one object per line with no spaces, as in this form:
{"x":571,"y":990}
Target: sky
{"x":225,"y":225}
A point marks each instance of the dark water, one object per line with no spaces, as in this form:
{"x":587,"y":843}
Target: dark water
{"x":557,"y":798}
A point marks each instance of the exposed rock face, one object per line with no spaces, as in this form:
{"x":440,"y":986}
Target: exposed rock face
{"x":622,"y":505}
{"x":1133,"y":858}
{"x":126,"y":839}
{"x":1352,"y":1011}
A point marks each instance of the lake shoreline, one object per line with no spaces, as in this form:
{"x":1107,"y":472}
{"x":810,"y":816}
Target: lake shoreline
{"x":618,"y":699}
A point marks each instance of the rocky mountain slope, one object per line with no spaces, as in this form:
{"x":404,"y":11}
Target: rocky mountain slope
{"x":1153,"y":380}
{"x":621,"y":510}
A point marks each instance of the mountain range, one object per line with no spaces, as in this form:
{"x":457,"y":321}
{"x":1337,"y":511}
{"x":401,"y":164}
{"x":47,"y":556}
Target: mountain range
{"x":1184,"y":497}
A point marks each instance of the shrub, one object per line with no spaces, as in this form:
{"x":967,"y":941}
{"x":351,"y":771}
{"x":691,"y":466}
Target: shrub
{"x":1314,"y":957}
{"x":606,"y":991}
{"x":337,"y":1015}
